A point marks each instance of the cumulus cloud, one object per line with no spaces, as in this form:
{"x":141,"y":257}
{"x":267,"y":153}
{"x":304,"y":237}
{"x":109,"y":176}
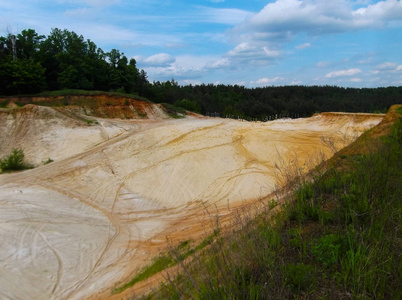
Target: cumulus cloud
{"x":343,"y":73}
{"x":387,"y":10}
{"x":261,"y":36}
{"x":253,"y":54}
{"x":321,"y":17}
{"x":186,"y":68}
{"x":387,"y":67}
{"x":179,"y":72}
{"x":157,"y":60}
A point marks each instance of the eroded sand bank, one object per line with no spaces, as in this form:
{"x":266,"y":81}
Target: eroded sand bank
{"x":76,"y":227}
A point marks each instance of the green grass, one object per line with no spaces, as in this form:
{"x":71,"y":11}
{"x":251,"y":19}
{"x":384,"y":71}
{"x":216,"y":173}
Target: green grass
{"x":69,"y":92}
{"x":158,"y":265}
{"x":174,"y":111}
{"x":14,"y":161}
{"x":91,"y":122}
{"x":338,"y":237}
{"x":172,"y":258}
{"x":65,"y":94}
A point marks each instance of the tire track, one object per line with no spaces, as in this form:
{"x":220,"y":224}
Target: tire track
{"x":60,"y":270}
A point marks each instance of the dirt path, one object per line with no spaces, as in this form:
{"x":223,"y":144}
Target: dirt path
{"x":82,"y":225}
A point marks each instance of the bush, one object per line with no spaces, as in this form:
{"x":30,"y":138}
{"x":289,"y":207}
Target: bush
{"x":13,"y":162}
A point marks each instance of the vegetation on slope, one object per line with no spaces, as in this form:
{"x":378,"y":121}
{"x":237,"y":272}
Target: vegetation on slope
{"x":14,"y":161}
{"x":337,"y":236}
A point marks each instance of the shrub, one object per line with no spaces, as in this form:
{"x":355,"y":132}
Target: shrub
{"x":326,"y":250}
{"x":14,"y":161}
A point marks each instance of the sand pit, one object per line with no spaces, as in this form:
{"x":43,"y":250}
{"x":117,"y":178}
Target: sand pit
{"x":81,"y":225}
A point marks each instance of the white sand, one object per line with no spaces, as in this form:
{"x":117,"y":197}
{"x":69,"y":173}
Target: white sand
{"x":81,"y":225}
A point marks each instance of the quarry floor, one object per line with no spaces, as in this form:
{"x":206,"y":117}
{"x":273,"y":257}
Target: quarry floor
{"x":118,"y":189}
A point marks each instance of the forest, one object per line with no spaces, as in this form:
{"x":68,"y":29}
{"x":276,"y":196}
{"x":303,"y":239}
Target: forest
{"x":31,"y":63}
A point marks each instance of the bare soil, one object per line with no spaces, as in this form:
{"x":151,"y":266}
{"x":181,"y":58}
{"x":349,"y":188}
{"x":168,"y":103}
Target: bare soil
{"x":117,"y":189}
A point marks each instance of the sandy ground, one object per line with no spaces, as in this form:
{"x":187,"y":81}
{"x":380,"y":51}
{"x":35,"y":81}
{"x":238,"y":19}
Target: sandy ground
{"x":83,"y":224}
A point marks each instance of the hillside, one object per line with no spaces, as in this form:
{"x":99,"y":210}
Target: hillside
{"x":336,"y":237}
{"x":52,"y":131}
{"x":84,"y":224}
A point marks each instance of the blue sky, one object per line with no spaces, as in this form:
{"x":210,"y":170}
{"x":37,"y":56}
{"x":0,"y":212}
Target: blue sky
{"x":351,"y":43}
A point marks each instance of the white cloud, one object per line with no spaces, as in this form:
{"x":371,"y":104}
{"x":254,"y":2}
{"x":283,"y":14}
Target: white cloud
{"x":303,"y":46}
{"x":260,"y":37}
{"x":296,"y":82}
{"x":387,"y":66}
{"x":157,"y":60}
{"x":343,"y":73}
{"x":283,"y":19}
{"x":253,"y":54}
{"x":186,"y":68}
{"x":267,"y":81}
{"x":178,"y":72}
{"x":355,"y":79}
{"x":382,"y":11}
{"x":218,"y":64}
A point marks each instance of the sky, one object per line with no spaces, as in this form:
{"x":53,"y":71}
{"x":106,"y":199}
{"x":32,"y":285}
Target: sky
{"x":253,"y":43}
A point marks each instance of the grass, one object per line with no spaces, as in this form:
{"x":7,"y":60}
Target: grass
{"x":69,"y":92}
{"x":170,"y":259}
{"x":175,"y":112}
{"x":91,"y":122}
{"x":14,"y":161}
{"x":66,"y":93}
{"x":337,"y":237}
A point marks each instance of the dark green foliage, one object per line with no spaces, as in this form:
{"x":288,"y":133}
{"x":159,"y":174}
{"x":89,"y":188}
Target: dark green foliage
{"x":65,"y":60}
{"x":326,"y":249}
{"x":22,"y":76}
{"x":14,"y":161}
{"x":188,"y":105}
{"x":268,"y":103}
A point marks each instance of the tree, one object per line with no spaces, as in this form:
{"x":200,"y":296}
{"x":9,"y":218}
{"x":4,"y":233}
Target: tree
{"x":21,"y":76}
{"x":28,"y":43}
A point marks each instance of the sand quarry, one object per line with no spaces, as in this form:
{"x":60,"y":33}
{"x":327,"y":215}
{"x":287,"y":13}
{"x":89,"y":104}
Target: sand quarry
{"x":85,"y":223}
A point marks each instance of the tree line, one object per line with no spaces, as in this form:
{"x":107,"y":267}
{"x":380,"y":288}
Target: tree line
{"x":267,"y":103}
{"x":31,"y":63}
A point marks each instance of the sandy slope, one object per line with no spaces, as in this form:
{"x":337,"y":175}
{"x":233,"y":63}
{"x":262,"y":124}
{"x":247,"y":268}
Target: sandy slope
{"x":76,"y":227}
